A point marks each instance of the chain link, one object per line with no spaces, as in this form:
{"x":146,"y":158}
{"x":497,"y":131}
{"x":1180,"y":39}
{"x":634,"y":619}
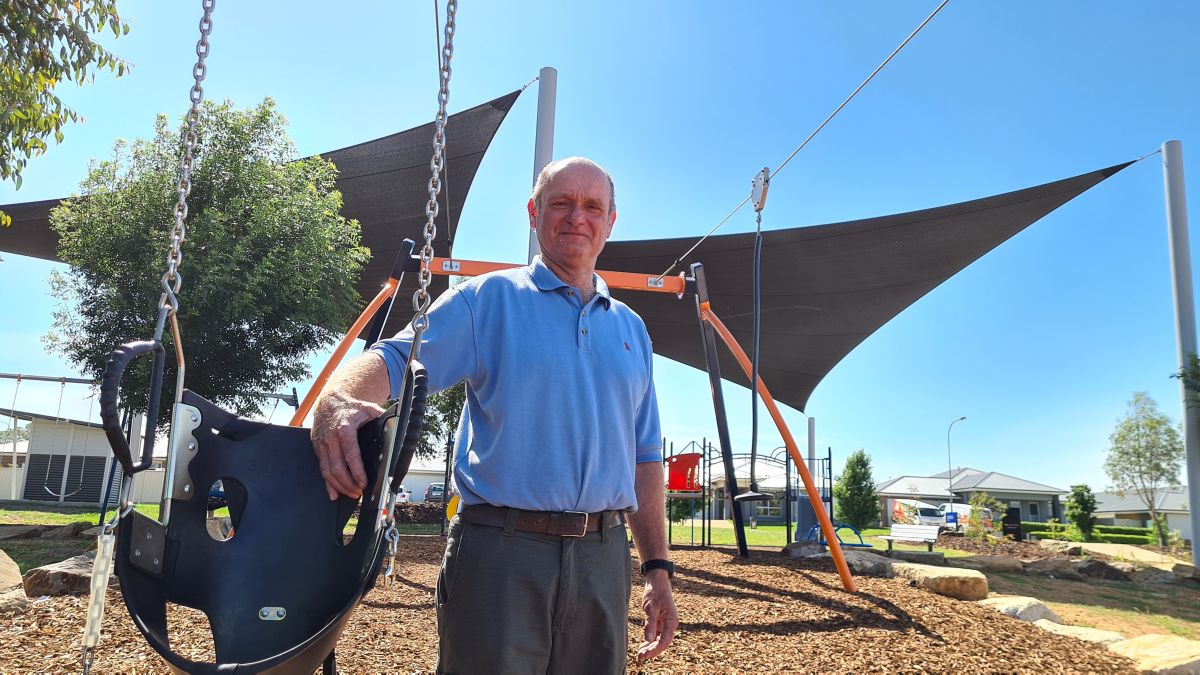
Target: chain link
{"x":422,"y":298}
{"x":172,"y":279}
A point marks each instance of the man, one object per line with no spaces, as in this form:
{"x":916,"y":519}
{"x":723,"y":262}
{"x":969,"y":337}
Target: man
{"x":560,"y":445}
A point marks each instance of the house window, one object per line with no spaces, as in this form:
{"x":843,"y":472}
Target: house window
{"x":1033,"y":512}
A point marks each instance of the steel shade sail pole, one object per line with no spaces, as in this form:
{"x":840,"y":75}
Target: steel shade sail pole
{"x":1185,"y":320}
{"x":713,"y":366}
{"x":543,"y":141}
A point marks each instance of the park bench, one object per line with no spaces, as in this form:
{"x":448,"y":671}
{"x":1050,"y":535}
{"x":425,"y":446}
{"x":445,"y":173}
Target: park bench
{"x":925,"y":533}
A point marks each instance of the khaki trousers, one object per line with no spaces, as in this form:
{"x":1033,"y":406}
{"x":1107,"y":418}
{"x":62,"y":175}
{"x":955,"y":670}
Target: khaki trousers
{"x":520,"y":602}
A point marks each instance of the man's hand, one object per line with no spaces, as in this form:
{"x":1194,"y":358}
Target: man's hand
{"x":661,"y":617}
{"x":336,"y":420}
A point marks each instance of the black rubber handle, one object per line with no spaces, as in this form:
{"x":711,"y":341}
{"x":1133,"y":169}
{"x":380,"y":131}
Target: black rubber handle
{"x":110,"y":415}
{"x":416,"y":423}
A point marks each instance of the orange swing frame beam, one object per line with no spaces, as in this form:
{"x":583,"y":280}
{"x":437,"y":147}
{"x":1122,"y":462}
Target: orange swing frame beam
{"x":625,"y":281}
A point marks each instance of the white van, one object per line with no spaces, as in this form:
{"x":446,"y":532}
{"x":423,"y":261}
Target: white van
{"x":913,"y":512}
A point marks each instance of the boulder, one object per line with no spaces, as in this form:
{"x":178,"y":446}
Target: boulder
{"x":1059,"y":546}
{"x":13,"y":600}
{"x":1152,"y":575}
{"x":802,"y":549}
{"x":219,"y":528}
{"x":72,"y":576}
{"x":1021,"y":607}
{"x":923,"y":557}
{"x":1123,"y":566}
{"x":10,"y":574}
{"x":1161,"y":653}
{"x":1185,"y":572}
{"x":1055,"y":568}
{"x":864,"y":563}
{"x":91,"y":532}
{"x":1102,"y":637}
{"x":1098,"y":569}
{"x":69,"y":531}
{"x":949,"y":581}
{"x":22,"y":531}
{"x":987,"y":563}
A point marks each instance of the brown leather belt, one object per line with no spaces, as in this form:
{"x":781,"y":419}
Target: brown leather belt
{"x":563,"y":524}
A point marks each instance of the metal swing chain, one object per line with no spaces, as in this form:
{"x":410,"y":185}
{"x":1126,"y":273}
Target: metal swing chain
{"x":172,"y":279}
{"x":168,"y":305}
{"x":422,"y":298}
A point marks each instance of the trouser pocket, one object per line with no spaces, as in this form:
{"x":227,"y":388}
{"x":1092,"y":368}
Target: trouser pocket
{"x":450,"y":561}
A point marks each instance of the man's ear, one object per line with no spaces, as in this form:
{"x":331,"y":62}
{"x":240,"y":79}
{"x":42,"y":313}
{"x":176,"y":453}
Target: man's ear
{"x":532,"y":214}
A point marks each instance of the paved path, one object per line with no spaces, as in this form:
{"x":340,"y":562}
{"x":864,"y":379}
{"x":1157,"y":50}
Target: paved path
{"x":1128,"y":552}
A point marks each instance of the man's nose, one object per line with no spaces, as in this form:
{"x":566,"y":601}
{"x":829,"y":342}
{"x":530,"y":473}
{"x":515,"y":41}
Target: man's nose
{"x":577,"y":215}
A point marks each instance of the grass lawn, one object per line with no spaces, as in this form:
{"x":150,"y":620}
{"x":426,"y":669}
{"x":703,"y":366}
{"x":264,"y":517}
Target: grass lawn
{"x":1128,"y":608}
{"x":776,"y":535}
{"x":27,"y":513}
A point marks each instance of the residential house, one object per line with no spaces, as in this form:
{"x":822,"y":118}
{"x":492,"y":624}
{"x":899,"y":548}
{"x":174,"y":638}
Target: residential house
{"x":1130,"y":511}
{"x":1037,"y":502}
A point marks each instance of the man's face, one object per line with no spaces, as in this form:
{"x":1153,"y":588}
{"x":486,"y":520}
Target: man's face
{"x":575,"y":217}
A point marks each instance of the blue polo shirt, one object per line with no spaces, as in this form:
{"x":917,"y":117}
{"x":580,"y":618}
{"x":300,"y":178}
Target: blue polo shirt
{"x":560,"y":395}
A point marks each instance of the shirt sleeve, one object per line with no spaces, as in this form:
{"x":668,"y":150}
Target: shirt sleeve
{"x":447,"y":347}
{"x":647,"y":427}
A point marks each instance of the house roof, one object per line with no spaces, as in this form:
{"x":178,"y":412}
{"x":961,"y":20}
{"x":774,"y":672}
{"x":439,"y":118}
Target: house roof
{"x":1168,"y":500}
{"x":30,"y":416}
{"x":914,"y":486}
{"x":994,"y":481}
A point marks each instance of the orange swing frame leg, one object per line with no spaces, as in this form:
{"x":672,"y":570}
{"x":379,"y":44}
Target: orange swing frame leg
{"x":831,"y":540}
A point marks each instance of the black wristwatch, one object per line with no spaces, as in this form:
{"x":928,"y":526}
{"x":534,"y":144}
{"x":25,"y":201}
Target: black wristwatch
{"x":659,"y":564}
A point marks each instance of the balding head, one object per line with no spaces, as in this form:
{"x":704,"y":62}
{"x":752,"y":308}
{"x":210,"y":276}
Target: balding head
{"x":547,"y":174}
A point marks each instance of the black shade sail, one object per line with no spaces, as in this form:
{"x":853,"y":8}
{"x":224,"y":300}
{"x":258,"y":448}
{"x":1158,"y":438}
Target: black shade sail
{"x":825,"y":288}
{"x":384,"y":185}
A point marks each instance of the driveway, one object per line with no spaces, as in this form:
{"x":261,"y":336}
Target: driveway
{"x":1128,"y":552}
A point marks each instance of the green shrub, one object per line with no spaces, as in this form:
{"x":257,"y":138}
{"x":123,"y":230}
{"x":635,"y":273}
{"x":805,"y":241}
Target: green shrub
{"x":1116,"y":529}
{"x":1033,"y":528}
{"x":1125,"y":539}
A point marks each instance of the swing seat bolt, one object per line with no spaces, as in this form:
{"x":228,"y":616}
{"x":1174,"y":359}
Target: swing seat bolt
{"x":192,"y":444}
{"x":149,"y":536}
{"x":187,"y":488}
{"x":264,"y":613}
{"x":195,"y":417}
{"x":281,"y":612}
{"x":137,"y":552}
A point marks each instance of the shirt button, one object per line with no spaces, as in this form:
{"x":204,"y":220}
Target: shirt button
{"x":585,"y":331}
{"x":570,"y":293}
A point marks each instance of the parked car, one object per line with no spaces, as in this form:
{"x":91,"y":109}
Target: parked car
{"x":434,"y":492}
{"x":914,"y":512}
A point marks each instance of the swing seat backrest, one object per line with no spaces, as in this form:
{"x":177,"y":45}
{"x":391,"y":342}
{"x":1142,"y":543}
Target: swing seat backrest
{"x":278,"y":592}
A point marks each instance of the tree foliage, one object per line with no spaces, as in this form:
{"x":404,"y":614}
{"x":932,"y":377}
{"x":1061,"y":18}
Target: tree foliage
{"x":1081,"y":509}
{"x":44,"y":43}
{"x":984,"y":518}
{"x":14,"y":434}
{"x":854,"y":496}
{"x":441,"y":420}
{"x":1145,"y":456}
{"x":269,"y":266}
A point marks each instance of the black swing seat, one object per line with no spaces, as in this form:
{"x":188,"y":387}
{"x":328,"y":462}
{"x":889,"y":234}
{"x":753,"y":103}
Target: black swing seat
{"x":753,"y":495}
{"x":279,"y":591}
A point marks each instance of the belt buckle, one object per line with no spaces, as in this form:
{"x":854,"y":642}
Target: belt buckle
{"x":582,"y":528}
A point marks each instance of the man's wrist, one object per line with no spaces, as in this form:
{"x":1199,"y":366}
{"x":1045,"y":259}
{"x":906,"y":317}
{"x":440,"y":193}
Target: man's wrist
{"x":658,"y":564}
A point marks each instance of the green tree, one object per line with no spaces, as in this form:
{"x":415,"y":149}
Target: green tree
{"x":984,"y":517}
{"x":269,"y":266}
{"x":18,"y":434}
{"x":1145,"y":456}
{"x":1081,"y":509}
{"x":854,"y":498}
{"x":441,"y":419}
{"x":682,"y":509}
{"x":44,"y":43}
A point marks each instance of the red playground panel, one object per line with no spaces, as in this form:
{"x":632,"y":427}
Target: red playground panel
{"x":683,"y":472}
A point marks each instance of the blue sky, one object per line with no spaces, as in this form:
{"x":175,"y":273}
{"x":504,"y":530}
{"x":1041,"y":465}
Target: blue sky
{"x":1040,"y":344}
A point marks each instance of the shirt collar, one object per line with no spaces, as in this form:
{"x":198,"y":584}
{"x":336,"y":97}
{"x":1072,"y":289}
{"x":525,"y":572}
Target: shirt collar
{"x":546,"y":280}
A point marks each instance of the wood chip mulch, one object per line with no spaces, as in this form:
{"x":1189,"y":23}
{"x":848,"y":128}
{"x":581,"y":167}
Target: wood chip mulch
{"x":766,"y":613}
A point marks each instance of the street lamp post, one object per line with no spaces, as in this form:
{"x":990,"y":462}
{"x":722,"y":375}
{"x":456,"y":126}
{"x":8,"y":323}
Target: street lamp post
{"x":949,"y":464}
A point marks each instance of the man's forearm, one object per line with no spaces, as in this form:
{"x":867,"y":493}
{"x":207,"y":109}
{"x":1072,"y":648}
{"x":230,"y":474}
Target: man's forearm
{"x":365,"y":378}
{"x":648,"y":525}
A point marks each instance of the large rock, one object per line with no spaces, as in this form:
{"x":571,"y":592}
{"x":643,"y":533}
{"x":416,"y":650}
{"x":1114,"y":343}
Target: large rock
{"x":1021,"y":607}
{"x":800,"y":549}
{"x":69,"y":531}
{"x":10,"y":573}
{"x":1152,"y":575}
{"x":949,"y":581}
{"x":924,"y":557}
{"x":1185,"y":572}
{"x":987,"y":563}
{"x":1098,"y":569}
{"x":22,"y":531}
{"x":1056,"y":568}
{"x":864,"y":563}
{"x":72,"y":576}
{"x":1063,"y":547}
{"x":13,"y":600}
{"x":1102,"y":637}
{"x":1161,"y":653}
